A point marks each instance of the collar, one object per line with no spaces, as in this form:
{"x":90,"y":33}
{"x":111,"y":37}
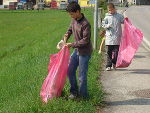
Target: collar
{"x":80,"y":18}
{"x":109,"y":14}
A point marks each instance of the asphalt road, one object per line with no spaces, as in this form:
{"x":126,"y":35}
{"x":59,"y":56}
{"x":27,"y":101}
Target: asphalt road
{"x":128,"y":89}
{"x":140,"y":17}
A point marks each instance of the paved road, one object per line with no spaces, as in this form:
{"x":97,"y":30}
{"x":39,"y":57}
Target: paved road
{"x":140,"y":17}
{"x":128,"y":89}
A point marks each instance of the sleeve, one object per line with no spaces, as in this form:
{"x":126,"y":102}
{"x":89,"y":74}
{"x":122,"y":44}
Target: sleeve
{"x":69,"y":31}
{"x":122,"y":19}
{"x":86,"y":37}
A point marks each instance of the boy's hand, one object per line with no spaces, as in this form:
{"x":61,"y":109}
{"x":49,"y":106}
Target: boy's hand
{"x":102,"y":33}
{"x":68,"y":45}
{"x":60,"y":44}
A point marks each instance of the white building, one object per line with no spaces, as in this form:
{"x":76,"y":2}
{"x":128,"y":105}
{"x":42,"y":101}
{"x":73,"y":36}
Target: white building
{"x":137,"y":2}
{"x":6,"y":2}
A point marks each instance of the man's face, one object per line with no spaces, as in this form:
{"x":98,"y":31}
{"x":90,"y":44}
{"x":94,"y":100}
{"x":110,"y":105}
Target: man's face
{"x":111,"y":10}
{"x":74,"y":15}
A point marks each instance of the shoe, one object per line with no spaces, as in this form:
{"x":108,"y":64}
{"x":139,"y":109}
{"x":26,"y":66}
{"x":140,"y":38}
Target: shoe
{"x":108,"y":68}
{"x":72,"y":96}
{"x":114,"y":66}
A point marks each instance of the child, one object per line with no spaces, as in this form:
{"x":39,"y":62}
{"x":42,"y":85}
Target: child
{"x":112,"y":24}
{"x":81,"y":29}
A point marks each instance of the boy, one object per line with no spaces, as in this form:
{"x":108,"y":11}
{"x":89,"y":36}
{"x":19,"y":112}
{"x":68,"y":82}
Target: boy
{"x":112,"y":24}
{"x":81,"y":29}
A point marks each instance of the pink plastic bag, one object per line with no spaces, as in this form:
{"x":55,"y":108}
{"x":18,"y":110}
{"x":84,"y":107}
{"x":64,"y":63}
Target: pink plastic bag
{"x":130,"y":41}
{"x":57,"y":72}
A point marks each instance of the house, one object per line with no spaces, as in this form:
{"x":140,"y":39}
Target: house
{"x":6,"y":2}
{"x":136,"y":2}
{"x":82,"y":3}
{"x":140,"y":2}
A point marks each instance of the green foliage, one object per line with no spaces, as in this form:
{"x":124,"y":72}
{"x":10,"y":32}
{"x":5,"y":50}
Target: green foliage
{"x":102,"y":4}
{"x":27,"y":38}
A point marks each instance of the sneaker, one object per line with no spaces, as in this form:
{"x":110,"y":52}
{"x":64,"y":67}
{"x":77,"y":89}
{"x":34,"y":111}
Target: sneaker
{"x":114,"y":66}
{"x":108,"y":68}
{"x":72,"y":96}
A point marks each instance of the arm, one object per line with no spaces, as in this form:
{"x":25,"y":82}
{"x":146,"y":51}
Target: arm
{"x":68,"y":33}
{"x":122,"y":19}
{"x":86,"y":37}
{"x":65,"y":38}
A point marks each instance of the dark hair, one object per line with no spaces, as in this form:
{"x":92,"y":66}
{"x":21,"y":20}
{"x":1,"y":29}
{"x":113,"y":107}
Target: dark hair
{"x":111,"y":4}
{"x":73,"y":7}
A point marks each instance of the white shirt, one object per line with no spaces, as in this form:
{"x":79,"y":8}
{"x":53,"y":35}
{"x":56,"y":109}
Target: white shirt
{"x":112,"y":24}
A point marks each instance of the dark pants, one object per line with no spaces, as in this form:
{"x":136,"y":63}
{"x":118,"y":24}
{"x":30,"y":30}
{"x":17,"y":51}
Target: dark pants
{"x":112,"y":54}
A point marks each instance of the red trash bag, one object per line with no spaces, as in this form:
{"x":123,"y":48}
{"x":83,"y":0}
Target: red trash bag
{"x":130,"y":41}
{"x":57,"y":72}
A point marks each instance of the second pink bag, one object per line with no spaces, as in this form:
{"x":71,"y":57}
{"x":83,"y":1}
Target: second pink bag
{"x":130,"y":41}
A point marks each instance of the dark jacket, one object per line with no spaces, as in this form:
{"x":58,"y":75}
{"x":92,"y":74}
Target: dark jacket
{"x":81,"y":29}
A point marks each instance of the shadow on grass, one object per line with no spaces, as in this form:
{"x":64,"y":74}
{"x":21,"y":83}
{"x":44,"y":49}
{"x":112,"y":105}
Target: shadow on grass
{"x":12,"y":51}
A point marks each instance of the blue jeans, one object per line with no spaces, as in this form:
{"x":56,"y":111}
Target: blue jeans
{"x":81,"y":61}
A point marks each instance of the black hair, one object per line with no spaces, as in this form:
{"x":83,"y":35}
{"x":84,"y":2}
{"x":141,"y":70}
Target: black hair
{"x":73,"y":7}
{"x":111,"y":4}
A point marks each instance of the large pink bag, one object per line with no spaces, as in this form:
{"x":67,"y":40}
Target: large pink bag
{"x":130,"y":41}
{"x":57,"y":72}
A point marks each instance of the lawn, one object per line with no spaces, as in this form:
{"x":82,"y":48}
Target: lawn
{"x":27,"y":38}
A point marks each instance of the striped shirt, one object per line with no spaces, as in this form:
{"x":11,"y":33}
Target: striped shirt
{"x":81,"y":30}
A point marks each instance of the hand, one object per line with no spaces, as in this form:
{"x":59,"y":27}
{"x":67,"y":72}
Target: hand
{"x":60,"y":44}
{"x":68,"y":44}
{"x":102,"y":33}
{"x":125,"y":17}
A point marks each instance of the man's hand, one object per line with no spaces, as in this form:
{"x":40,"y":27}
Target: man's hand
{"x":68,"y":44}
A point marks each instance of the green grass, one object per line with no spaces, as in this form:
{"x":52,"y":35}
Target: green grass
{"x":27,"y":38}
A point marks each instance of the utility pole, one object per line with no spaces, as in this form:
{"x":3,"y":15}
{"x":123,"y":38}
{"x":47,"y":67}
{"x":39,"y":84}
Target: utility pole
{"x":95,"y":23}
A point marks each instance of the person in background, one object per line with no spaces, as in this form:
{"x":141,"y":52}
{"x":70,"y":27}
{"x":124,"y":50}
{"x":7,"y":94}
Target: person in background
{"x":112,"y":24}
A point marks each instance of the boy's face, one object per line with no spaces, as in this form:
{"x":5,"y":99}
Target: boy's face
{"x":74,"y":15}
{"x":111,"y":10}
